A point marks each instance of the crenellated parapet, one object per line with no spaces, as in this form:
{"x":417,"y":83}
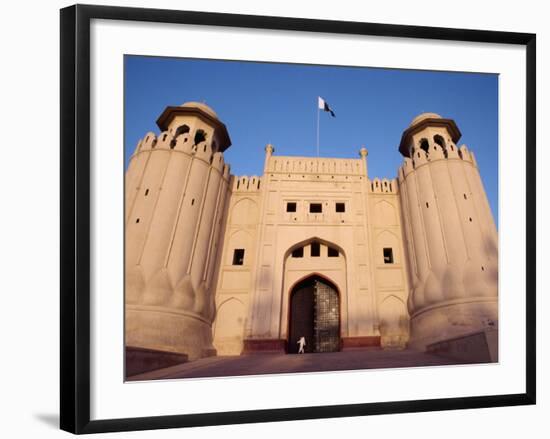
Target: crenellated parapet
{"x":383,"y":186}
{"x":465,"y":154}
{"x":148,"y":142}
{"x":245,"y":183}
{"x":182,"y":143}
{"x":420,"y":157}
{"x":165,"y":140}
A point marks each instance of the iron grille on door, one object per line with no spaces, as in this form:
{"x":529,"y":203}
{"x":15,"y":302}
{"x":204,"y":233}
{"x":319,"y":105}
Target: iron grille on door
{"x":326,"y":323}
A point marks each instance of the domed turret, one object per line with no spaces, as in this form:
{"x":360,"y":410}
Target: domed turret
{"x":197,"y":119}
{"x":424,"y":116}
{"x":427,"y":122}
{"x":200,"y":106}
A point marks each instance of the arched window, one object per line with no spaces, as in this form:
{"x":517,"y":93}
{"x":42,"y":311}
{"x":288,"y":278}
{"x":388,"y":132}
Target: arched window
{"x":425,"y":145}
{"x":315,"y":248}
{"x":441,"y":142}
{"x":182,"y":129}
{"x":200,"y":136}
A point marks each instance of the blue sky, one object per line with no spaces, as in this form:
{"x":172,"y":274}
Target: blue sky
{"x":264,"y":103}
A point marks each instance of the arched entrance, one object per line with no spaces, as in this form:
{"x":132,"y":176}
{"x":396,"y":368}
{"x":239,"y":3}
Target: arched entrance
{"x":315,"y":315}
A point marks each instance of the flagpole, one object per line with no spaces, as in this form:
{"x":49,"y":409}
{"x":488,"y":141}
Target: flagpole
{"x":318,"y":112}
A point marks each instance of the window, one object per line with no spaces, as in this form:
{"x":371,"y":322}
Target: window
{"x":298,"y":253}
{"x":425,"y":146}
{"x":333,"y":253}
{"x":388,"y":256}
{"x":441,"y":142}
{"x":238,"y":256}
{"x":200,"y":136}
{"x":315,"y":249}
{"x":146,"y":192}
{"x":340,"y":207}
{"x":182,"y":129}
{"x":291,"y":207}
{"x":315,"y":208}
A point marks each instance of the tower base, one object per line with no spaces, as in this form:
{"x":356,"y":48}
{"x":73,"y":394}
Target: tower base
{"x":140,"y":360}
{"x":450,"y":320}
{"x":160,"y":329}
{"x":478,"y":347}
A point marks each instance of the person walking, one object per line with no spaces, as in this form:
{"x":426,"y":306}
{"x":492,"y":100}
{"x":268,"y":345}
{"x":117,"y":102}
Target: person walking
{"x":301,"y":343}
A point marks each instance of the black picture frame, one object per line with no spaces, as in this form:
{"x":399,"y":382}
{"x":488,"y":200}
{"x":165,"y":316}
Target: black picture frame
{"x":75,"y":217}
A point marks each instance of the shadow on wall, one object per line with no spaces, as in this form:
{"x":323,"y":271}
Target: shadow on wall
{"x":393,"y":323}
{"x":261,"y":317}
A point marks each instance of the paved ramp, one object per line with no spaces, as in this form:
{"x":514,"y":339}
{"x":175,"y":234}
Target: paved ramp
{"x":259,"y":364}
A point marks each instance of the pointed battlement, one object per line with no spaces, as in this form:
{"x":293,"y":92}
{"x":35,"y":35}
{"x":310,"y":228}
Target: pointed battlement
{"x":245,"y":183}
{"x":383,"y":186}
{"x":421,"y":157}
{"x":182,"y":142}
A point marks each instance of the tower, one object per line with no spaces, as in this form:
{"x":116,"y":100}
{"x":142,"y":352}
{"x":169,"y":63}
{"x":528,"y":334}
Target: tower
{"x":176,"y":191}
{"x":450,"y":233}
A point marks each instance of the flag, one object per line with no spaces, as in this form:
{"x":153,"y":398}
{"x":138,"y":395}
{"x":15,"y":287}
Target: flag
{"x":323,"y":105}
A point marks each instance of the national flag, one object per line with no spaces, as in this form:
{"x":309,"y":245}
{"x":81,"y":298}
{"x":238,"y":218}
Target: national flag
{"x":323,"y":105}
